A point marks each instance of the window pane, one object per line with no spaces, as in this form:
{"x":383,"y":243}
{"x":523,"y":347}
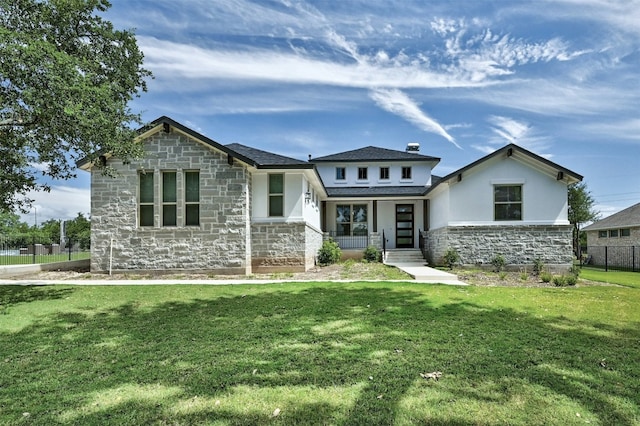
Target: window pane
{"x":360,"y":213}
{"x":360,"y":229}
{"x":276,"y":205}
{"x":406,"y":173}
{"x":343,"y":229}
{"x":192,"y":217}
{"x":613,"y":233}
{"x":362,"y":173}
{"x":343,"y":214}
{"x":384,"y":173}
{"x":340,"y":173}
{"x":508,"y":211}
{"x":602,"y":234}
{"x":192,"y":187}
{"x":276,"y":184}
{"x":146,"y":187}
{"x":169,"y":189}
{"x":169,"y":215}
{"x":625,"y":232}
{"x":146,"y":215}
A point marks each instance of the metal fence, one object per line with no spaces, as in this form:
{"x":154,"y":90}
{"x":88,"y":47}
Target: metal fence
{"x":18,"y":249}
{"x":350,"y":241}
{"x":622,"y":258}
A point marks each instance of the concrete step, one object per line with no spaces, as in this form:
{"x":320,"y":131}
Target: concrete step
{"x":404,"y":256}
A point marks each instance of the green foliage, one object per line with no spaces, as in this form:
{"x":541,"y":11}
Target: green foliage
{"x":67,"y":77}
{"x":329,"y":253}
{"x":372,"y":254}
{"x":538,"y":267}
{"x":498,"y":262}
{"x":78,"y":231}
{"x":581,"y":209}
{"x":565,"y":280}
{"x":502,"y":276}
{"x":546,"y":277}
{"x":451,"y":257}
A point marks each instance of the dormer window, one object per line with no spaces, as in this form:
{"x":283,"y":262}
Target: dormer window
{"x":362,"y":173}
{"x":406,"y":173}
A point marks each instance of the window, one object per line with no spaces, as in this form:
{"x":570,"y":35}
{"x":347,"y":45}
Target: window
{"x":146,"y":199}
{"x":362,"y":173}
{"x":276,"y":195}
{"x":602,"y":234}
{"x":192,"y":198}
{"x":625,"y":232}
{"x":613,"y":233}
{"x":341,"y":173}
{"x":507,"y":202}
{"x":384,"y":173}
{"x":169,"y":199}
{"x":406,"y":173}
{"x":351,"y":220}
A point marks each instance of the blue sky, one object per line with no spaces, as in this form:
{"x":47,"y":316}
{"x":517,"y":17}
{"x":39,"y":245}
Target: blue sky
{"x":462,"y":78}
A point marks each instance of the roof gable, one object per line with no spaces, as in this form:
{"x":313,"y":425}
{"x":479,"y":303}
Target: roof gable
{"x":627,"y":218}
{"x":372,"y":153}
{"x":267,"y":160}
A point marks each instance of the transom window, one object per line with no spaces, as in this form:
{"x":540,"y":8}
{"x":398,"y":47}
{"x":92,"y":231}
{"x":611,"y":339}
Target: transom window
{"x":276,"y":195}
{"x":384,"y":173}
{"x":351,"y":219}
{"x":145,"y":207}
{"x":362,"y":173}
{"x":406,"y":173}
{"x":341,"y":173}
{"x":507,"y":202}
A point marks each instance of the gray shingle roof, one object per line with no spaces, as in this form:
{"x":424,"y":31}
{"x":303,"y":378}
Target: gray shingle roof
{"x":264,"y":159}
{"x":627,"y":218}
{"x":376,"y":191}
{"x":372,"y":153}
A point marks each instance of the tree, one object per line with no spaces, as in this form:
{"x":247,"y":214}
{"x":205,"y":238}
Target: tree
{"x":580,"y":210}
{"x":66,"y":77}
{"x":51,"y":231}
{"x":78,"y":231}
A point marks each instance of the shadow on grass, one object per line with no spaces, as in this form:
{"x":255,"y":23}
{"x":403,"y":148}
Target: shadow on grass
{"x":324,"y":355}
{"x":12,"y":294}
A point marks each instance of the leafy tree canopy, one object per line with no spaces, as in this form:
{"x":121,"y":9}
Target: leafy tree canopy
{"x":580,"y":211}
{"x":66,"y":77}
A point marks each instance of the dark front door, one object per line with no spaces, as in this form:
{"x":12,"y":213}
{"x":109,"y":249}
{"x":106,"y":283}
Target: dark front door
{"x":404,"y":225}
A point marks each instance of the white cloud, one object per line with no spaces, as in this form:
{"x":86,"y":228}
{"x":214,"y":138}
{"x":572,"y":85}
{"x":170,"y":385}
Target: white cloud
{"x":62,"y":202}
{"x":400,"y":104}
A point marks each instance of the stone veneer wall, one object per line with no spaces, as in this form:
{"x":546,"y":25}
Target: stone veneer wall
{"x":520,"y":245}
{"x":219,"y":244}
{"x":620,"y":250}
{"x":283,"y":246}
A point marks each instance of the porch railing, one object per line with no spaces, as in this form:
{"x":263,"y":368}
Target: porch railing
{"x":347,"y":242}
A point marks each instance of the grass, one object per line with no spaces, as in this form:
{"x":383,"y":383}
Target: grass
{"x":319,"y":353}
{"x":629,"y":279}
{"x":27,"y":259}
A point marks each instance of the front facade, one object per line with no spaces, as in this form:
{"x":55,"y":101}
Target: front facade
{"x":193,"y":204}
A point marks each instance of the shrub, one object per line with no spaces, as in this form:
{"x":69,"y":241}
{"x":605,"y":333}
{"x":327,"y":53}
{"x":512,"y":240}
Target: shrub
{"x":329,"y":252}
{"x":565,"y":280}
{"x":559,"y":281}
{"x":571,"y":279}
{"x":498,"y":263}
{"x":372,"y":254}
{"x":546,"y":277}
{"x":502,"y":276}
{"x":538,"y":267}
{"x":451,"y":257}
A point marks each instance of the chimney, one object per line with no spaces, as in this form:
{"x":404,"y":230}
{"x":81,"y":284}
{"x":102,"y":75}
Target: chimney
{"x":413,"y":147}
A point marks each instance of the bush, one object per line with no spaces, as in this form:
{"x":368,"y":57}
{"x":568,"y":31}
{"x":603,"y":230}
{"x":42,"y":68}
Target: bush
{"x":451,"y":257}
{"x":538,"y":267}
{"x":372,"y":254}
{"x":498,"y":263}
{"x":329,"y":252}
{"x":546,"y":277}
{"x":565,"y":280}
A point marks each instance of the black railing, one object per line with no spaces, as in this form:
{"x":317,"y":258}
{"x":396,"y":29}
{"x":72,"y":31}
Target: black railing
{"x":347,"y":242}
{"x":622,"y":258}
{"x":20,"y":249}
{"x":384,"y":246}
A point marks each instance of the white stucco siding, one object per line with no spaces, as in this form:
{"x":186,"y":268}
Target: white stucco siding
{"x":439,"y":207}
{"x":311,"y":209}
{"x":420,"y":174}
{"x":471,"y":201}
{"x":294,"y":188}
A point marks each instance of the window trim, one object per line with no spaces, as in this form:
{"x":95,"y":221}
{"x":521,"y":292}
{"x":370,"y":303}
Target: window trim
{"x":271,"y":195}
{"x":188,"y":203}
{"x":363,"y":173}
{"x":508,"y":202}
{"x":408,"y":175}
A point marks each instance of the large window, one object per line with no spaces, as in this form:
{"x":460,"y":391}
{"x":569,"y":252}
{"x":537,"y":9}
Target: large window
{"x":507,"y":202}
{"x":169,"y":199}
{"x":145,"y":208}
{"x":351,"y":219}
{"x":192,"y":198}
{"x":276,"y":195}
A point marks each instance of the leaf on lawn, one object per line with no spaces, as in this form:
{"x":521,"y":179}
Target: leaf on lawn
{"x":370,"y":377}
{"x":603,"y":363}
{"x":255,"y":370}
{"x":379,"y":396}
{"x":434,"y":375}
{"x":398,"y":351}
{"x":217,"y":402}
{"x":276,"y":412}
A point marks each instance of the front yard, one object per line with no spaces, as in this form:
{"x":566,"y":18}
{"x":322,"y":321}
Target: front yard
{"x":319,"y":353}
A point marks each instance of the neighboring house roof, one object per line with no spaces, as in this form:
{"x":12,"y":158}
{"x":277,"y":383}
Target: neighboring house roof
{"x":372,"y":153}
{"x":268,"y":160}
{"x":376,"y":191}
{"x":519,"y":153}
{"x":627,"y":218}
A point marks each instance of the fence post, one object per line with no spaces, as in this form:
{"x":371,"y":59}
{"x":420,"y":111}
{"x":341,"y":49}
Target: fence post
{"x":70,"y":244}
{"x":606,"y":259}
{"x":633,"y":258}
{"x":33,"y":244}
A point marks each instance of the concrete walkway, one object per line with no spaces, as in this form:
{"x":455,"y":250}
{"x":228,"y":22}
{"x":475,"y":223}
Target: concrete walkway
{"x":424,"y":274}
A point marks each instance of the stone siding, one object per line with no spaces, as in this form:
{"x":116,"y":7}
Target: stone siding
{"x":519,"y":245}
{"x":621,"y":252}
{"x":283,"y":246}
{"x":219,"y":244}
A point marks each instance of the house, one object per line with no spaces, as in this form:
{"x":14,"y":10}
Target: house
{"x":615,"y":240}
{"x":192,"y":203}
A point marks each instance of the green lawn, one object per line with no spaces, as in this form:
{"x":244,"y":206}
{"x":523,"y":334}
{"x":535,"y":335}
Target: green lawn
{"x":319,"y":353}
{"x":27,"y":259}
{"x":630,"y":279}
